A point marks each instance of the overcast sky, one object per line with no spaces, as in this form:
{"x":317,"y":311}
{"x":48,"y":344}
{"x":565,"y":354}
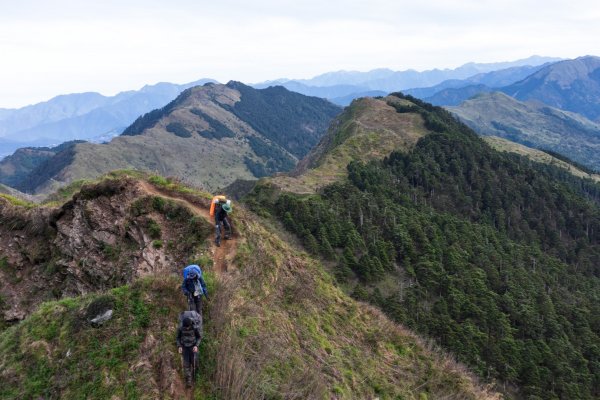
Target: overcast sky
{"x":55,"y":47}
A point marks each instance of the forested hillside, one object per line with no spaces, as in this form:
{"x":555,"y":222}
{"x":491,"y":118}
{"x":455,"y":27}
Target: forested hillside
{"x":18,"y":167}
{"x":494,"y":256}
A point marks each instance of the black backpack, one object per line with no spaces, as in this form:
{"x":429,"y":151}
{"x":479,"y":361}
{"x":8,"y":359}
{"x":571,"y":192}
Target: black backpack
{"x":194,"y":316}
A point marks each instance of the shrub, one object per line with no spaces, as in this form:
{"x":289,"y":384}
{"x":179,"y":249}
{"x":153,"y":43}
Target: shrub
{"x":178,"y":129}
{"x":154,"y":229}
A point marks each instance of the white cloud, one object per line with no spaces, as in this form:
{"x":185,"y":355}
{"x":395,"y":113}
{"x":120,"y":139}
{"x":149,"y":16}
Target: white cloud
{"x":63,"y":46}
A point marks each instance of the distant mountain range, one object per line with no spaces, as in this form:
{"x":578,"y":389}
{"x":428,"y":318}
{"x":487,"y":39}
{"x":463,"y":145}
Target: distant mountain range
{"x":533,"y":124}
{"x":209,"y":135}
{"x":388,"y":80}
{"x":98,"y":118}
{"x":493,"y":79}
{"x":557,"y":107}
{"x":85,"y":116}
{"x":455,"y":91}
{"x":571,"y":85}
{"x":346,"y":84}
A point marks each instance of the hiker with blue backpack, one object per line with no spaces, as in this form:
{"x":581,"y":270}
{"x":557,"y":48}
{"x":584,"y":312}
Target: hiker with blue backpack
{"x":194,"y":287}
{"x":189,"y":332}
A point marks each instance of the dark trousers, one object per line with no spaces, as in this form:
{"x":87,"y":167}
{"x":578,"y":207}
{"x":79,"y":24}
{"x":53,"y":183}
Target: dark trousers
{"x":188,"y":362}
{"x":195,"y":302}
{"x":227,"y":225}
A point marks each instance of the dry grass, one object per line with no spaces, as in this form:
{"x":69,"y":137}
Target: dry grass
{"x":536,"y":155}
{"x":16,"y":215}
{"x":369,"y":129}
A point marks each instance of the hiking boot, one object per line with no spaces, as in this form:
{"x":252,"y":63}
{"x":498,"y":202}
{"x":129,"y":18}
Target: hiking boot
{"x":218,"y":244}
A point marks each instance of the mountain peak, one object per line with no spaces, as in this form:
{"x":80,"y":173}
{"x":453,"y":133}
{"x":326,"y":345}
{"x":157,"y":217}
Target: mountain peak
{"x":572,"y":85}
{"x":367,"y":129}
{"x":252,"y":132}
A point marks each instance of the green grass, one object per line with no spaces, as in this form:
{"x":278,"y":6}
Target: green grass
{"x":57,"y":353}
{"x":154,"y":229}
{"x":18,"y":202}
{"x":65,"y":193}
{"x":4,"y":265}
{"x":175,"y":185}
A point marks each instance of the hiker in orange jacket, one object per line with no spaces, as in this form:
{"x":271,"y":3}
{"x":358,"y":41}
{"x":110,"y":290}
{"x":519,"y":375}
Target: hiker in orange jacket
{"x":220,"y":208}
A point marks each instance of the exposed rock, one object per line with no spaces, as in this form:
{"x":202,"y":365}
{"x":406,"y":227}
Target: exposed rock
{"x":14,"y":314}
{"x":102,"y":318}
{"x":94,"y":242}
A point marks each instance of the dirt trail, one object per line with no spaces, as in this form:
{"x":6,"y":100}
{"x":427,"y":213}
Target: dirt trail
{"x":222,"y":256}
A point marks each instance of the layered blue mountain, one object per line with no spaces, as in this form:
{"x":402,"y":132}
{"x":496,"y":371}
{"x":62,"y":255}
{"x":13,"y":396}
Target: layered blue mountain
{"x":388,"y":80}
{"x":88,"y":116}
{"x":455,"y":91}
{"x":341,"y":87}
{"x":572,"y":85}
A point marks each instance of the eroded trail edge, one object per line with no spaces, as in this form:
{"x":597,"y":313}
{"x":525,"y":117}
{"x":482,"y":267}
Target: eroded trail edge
{"x":223,"y":255}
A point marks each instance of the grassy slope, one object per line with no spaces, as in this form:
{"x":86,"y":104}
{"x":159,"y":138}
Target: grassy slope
{"x":536,"y":155}
{"x":187,"y":158}
{"x":276,"y":328}
{"x":13,"y":194}
{"x":57,"y":353}
{"x":368,"y":129}
{"x":289,"y":332}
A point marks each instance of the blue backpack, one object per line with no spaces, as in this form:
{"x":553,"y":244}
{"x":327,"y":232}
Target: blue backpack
{"x":190,"y":268}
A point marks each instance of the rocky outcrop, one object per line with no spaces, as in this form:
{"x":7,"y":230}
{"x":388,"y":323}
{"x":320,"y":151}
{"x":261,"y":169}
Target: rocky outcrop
{"x":107,"y":235}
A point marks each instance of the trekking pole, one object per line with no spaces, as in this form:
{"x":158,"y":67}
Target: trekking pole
{"x":196,"y":366}
{"x":181,"y":358}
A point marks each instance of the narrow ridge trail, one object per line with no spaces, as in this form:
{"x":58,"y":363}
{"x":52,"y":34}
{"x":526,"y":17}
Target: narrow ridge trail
{"x":223,"y":255}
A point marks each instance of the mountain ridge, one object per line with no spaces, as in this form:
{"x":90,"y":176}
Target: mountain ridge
{"x":247,"y":132}
{"x":572,"y":85}
{"x":388,"y":80}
